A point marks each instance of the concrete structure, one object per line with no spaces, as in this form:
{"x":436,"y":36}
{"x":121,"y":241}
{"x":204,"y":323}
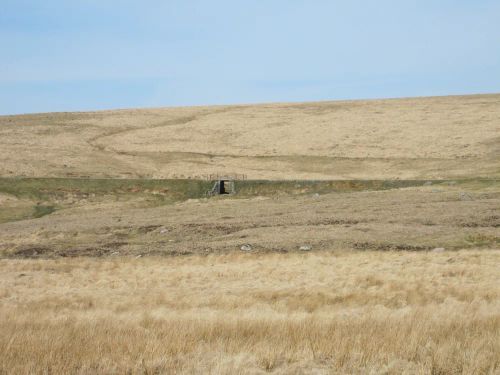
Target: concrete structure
{"x":224,"y":184}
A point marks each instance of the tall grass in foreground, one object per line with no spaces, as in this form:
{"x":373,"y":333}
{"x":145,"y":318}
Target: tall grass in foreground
{"x":364,"y":312}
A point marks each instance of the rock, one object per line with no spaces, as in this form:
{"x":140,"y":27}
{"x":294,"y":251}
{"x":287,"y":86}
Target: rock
{"x":246,"y":247}
{"x":465,"y":196}
{"x":316,"y":195}
{"x":260,"y":198}
{"x":163,"y":230}
{"x":138,"y":256}
{"x":428,"y":183}
{"x":438,"y":250}
{"x":305,"y":248}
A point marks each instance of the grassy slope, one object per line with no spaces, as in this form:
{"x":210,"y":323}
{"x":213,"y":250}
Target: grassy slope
{"x":421,"y":138}
{"x":37,"y":197}
{"x":164,"y":217}
{"x":290,"y":312}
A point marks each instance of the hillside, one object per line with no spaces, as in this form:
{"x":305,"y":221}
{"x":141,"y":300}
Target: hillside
{"x":365,"y":239}
{"x":418,"y":138}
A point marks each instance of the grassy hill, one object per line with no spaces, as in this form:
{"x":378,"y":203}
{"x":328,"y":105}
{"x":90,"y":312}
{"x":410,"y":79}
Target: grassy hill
{"x":365,"y":239}
{"x":418,"y":138}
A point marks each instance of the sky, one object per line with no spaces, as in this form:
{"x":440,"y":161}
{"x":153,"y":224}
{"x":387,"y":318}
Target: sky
{"x":60,"y":55}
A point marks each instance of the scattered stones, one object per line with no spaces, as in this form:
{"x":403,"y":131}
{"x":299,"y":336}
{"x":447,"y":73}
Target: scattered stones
{"x":305,"y":248}
{"x":438,"y":250}
{"x":246,"y":247}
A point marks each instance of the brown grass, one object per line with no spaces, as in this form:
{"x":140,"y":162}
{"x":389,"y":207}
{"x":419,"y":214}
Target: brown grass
{"x":416,"y":218}
{"x":370,"y":298}
{"x":418,"y":138}
{"x":347,"y":312}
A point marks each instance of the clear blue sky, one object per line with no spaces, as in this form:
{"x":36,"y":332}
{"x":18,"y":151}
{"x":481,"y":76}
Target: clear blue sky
{"x":64,"y":55}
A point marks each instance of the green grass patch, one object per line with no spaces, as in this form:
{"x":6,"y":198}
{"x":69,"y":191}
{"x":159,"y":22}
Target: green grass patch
{"x":253,"y":188}
{"x":38,"y":197}
{"x":42,"y":210}
{"x":50,"y":189}
{"x":49,"y":193}
{"x":482,"y":240}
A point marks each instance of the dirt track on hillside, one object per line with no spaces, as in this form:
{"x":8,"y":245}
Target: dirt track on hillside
{"x":447,"y":137}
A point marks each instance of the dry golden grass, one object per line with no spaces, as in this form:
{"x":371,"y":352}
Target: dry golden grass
{"x":341,"y":308}
{"x":457,"y":216}
{"x":340,"y":312}
{"x":446,"y":137}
